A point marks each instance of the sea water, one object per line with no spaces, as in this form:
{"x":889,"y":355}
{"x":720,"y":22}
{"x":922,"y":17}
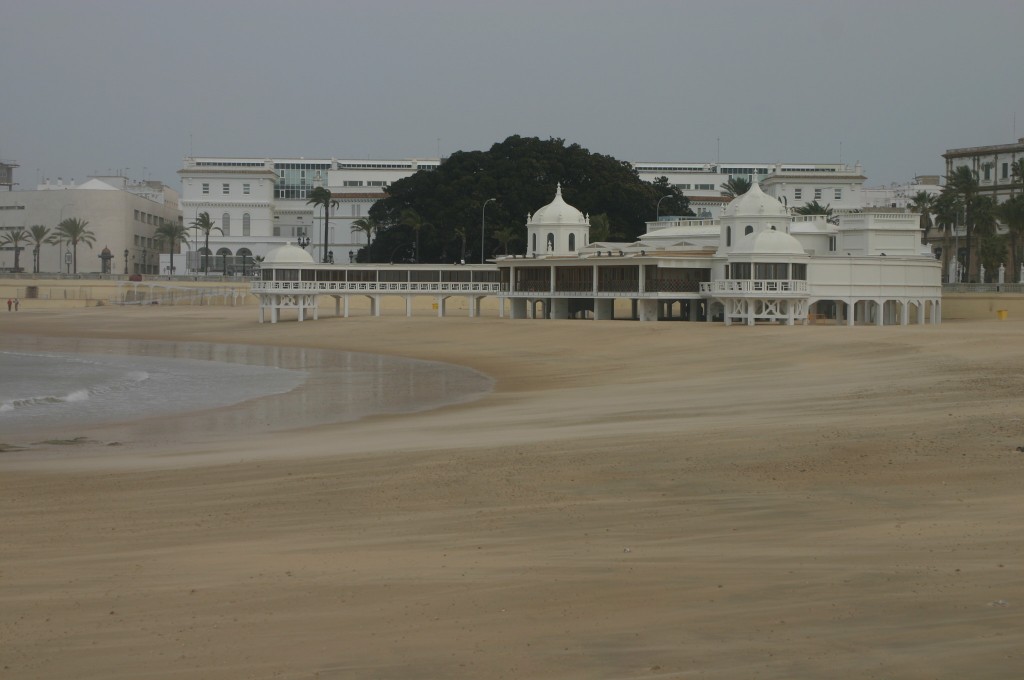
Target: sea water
{"x":55,"y":389}
{"x":55,"y":384}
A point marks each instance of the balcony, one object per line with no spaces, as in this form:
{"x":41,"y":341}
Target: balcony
{"x":755,"y":287}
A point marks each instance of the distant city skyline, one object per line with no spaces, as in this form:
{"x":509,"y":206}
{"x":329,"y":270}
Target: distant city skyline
{"x":112,"y":85}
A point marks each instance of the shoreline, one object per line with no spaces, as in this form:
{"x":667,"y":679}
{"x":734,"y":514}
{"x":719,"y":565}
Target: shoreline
{"x":631,"y":500}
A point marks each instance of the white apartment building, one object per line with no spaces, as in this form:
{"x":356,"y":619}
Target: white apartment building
{"x":123,"y":214}
{"x":260,"y":203}
{"x":992,"y":166}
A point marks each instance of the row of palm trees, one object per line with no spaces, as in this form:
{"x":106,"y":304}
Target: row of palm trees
{"x":70,"y":230}
{"x":962,"y":205}
{"x":75,"y":231}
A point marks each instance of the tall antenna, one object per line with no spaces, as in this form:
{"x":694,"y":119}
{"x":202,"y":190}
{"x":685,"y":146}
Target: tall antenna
{"x":718,"y":150}
{"x":840,"y":152}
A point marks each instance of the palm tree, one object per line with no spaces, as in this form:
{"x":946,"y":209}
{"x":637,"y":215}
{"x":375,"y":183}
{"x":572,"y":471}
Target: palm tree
{"x":600,"y":228}
{"x":321,"y":196}
{"x":963,"y":183}
{"x":1017,"y":170}
{"x":947,"y":211}
{"x":204,"y":224}
{"x":924,"y":203}
{"x":735,"y":186}
{"x":413,"y":220}
{"x":172,"y":233}
{"x":505,"y":236}
{"x":1012,"y":214}
{"x":14,"y":238}
{"x":74,"y":231}
{"x":40,"y":235}
{"x":814,"y":208}
{"x":367,"y":225}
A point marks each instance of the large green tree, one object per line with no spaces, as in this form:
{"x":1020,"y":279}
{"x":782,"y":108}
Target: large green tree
{"x":521,"y":172}
{"x":14,"y":238}
{"x":76,"y":231}
{"x":322,"y":197}
{"x":205,"y":225}
{"x":172,"y":233}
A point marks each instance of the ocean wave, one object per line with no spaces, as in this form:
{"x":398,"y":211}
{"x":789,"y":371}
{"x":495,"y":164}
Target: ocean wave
{"x":14,"y":404}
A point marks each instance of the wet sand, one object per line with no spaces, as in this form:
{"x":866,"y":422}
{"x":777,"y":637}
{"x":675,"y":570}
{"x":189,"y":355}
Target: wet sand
{"x":633,"y":500}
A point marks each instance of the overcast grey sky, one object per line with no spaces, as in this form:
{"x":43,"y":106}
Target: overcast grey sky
{"x":87,"y":86}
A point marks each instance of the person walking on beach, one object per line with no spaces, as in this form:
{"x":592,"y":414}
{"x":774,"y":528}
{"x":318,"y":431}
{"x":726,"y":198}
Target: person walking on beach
{"x":17,"y":302}
{"x":9,"y":303}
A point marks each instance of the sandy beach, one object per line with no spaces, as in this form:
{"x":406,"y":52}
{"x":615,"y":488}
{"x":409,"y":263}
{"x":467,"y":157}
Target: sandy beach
{"x":661,"y":500}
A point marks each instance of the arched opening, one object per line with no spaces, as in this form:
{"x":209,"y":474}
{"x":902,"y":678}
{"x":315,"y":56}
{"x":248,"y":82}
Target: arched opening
{"x":246,"y":224}
{"x":749,"y":229}
{"x":225,"y":223}
{"x":551,"y":242}
{"x":728,"y":237}
{"x":572,"y":243}
{"x":533,"y":243}
{"x":221,"y":261}
{"x":244,"y":255}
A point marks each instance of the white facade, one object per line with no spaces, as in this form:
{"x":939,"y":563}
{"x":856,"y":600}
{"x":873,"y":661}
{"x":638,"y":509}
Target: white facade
{"x":758,"y":263}
{"x":123,"y":214}
{"x":269,"y":195}
{"x":280,"y":214}
{"x":841,"y":190}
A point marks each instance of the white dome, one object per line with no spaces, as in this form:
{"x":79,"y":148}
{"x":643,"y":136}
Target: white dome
{"x":558,"y":212}
{"x":768,"y":242}
{"x":755,"y":203}
{"x":287,"y":254}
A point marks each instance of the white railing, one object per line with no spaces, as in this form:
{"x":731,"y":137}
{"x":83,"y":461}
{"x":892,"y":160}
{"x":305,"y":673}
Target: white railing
{"x":328,"y":287}
{"x":748,"y":286}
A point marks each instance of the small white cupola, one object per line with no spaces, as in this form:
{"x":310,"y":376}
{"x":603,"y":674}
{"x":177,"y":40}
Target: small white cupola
{"x":749,"y":215}
{"x":556,"y":229}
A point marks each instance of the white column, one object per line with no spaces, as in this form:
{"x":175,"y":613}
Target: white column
{"x":346,"y":306}
{"x":408,"y":305}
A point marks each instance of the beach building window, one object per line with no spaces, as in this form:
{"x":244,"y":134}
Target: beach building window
{"x":352,"y":183}
{"x":728,"y":240}
{"x":225,"y":223}
{"x":838,"y":194}
{"x":572,"y":242}
{"x":799,"y":272}
{"x":246,"y":224}
{"x":136,"y":215}
{"x":798,"y":194}
{"x":1006,"y":170}
{"x":817,"y":194}
{"x":771,"y":271}
{"x":551,"y":242}
{"x":246,"y":189}
{"x":740,"y":270}
{"x":206,"y":187}
{"x":533,"y":244}
{"x":831,"y":244}
{"x":225,"y":188}
{"x":747,"y":230}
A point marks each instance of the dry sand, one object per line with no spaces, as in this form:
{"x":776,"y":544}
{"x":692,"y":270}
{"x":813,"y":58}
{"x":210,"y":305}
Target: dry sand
{"x":664,"y":500}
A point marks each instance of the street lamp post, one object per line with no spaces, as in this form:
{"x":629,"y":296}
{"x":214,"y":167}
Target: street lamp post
{"x":144,"y":261}
{"x":483,"y":222}
{"x":657,"y":209}
{"x":302,"y":242}
{"x":126,"y":262}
